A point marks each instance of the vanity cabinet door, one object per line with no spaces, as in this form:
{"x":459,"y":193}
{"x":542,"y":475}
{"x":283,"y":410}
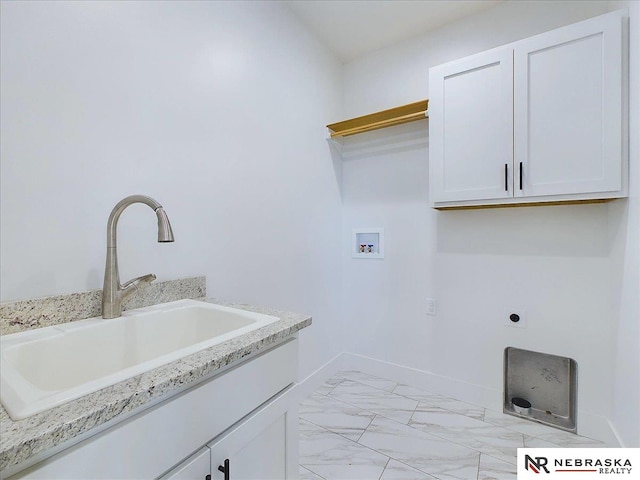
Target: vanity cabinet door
{"x":471,"y":127}
{"x":196,"y":467}
{"x":568,"y":109}
{"x":261,"y":458}
{"x":264,"y":447}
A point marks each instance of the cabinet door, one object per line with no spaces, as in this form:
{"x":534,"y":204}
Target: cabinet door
{"x":568,"y":109}
{"x":196,"y":467}
{"x":471,"y":127}
{"x":253,"y":452}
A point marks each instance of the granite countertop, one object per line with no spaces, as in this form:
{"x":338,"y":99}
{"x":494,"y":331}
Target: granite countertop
{"x":24,"y":439}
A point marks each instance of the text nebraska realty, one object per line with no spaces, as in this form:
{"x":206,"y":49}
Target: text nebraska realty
{"x":608,"y":465}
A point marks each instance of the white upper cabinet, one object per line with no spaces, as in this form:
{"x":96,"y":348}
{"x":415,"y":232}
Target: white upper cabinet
{"x":539,"y":120}
{"x":568,"y":109}
{"x":471,"y":142}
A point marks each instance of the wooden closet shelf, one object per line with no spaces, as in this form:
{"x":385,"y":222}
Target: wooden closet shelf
{"x":386,"y":118}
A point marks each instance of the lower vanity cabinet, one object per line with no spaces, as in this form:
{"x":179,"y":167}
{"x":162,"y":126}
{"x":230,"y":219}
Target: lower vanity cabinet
{"x":263,"y":446}
{"x":262,"y":457}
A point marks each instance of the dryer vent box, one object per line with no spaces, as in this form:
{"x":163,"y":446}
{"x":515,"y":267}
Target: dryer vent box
{"x":540,"y":387}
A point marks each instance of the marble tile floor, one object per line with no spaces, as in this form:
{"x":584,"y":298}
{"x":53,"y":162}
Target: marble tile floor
{"x":358,"y":426}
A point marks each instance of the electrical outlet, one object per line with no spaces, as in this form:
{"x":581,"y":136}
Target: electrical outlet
{"x":431,"y":306}
{"x":515,"y":317}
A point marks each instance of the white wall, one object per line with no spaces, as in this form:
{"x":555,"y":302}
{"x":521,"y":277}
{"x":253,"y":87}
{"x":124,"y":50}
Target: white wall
{"x":560,"y":264}
{"x":216,"y":109}
{"x":626,"y":394}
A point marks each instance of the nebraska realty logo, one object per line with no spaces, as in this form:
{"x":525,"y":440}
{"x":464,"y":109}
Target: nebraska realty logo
{"x":585,"y":462}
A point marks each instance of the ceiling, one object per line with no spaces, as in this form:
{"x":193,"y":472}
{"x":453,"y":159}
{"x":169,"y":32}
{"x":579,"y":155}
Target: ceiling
{"x":352,"y":28}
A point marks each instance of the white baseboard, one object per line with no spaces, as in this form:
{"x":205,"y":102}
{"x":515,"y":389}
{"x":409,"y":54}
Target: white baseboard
{"x":307,"y":385}
{"x":589,"y":425}
{"x":431,"y":382}
{"x":600,"y":428}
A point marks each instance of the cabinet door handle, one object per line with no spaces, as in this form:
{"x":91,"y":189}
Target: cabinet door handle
{"x":208,"y":477}
{"x":520,"y":175}
{"x":225,"y":469}
{"x":506,"y":177}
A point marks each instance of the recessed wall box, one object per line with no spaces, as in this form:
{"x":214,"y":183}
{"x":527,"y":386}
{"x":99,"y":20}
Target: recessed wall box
{"x":540,"y":387}
{"x":367,"y":243}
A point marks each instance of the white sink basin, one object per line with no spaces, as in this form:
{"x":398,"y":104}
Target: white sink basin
{"x":43,"y":368}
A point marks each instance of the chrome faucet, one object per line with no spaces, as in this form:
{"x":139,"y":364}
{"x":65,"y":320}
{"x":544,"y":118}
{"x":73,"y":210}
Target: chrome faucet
{"x":113,"y":294}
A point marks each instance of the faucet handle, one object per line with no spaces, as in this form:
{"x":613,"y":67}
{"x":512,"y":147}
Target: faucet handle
{"x":148,"y":278}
